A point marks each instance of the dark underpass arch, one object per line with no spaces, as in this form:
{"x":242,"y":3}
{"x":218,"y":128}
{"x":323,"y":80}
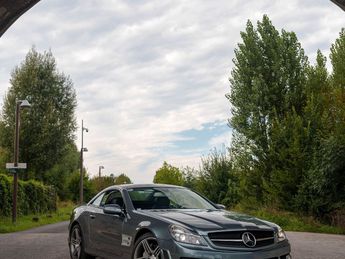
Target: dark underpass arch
{"x":11,"y":10}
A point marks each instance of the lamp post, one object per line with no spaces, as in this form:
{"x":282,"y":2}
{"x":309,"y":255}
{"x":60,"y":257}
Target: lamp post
{"x":82,"y":150}
{"x":20,"y":104}
{"x":100,"y":170}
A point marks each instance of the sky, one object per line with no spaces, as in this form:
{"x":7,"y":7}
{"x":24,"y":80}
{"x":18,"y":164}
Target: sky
{"x":151,"y":76}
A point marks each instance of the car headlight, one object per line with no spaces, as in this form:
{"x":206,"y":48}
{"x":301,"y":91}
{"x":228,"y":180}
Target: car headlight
{"x":281,"y":234}
{"x":183,"y":235}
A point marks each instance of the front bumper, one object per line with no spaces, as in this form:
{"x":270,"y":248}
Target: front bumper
{"x":175,"y":250}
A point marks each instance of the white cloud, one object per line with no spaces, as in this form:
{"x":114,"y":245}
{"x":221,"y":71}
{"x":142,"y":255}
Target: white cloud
{"x":145,"y":71}
{"x":223,"y":139}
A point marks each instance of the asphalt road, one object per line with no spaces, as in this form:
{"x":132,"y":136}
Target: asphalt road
{"x":50,"y":242}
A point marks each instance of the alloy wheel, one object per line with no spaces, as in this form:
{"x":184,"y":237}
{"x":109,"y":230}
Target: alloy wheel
{"x":75,"y":243}
{"x":148,"y":248}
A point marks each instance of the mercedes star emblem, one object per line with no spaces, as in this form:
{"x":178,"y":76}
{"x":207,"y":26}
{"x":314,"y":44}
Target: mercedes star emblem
{"x":248,"y":239}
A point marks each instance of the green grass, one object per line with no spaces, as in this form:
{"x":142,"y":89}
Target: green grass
{"x":26,"y":222}
{"x":291,"y":221}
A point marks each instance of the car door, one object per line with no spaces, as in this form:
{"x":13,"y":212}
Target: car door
{"x":106,"y":229}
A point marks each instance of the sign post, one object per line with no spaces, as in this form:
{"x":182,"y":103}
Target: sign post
{"x":11,"y":166}
{"x":20,"y":104}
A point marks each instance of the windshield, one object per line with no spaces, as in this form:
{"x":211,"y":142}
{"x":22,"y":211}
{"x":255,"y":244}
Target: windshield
{"x":149,"y":198}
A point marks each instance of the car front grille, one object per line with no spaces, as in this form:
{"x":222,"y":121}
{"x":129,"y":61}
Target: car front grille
{"x":233,"y":239}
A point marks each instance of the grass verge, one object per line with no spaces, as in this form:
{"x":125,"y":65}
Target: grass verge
{"x":290,"y":221}
{"x":26,"y":222}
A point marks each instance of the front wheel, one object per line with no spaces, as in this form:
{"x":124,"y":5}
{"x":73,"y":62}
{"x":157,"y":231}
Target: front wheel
{"x":146,"y":247}
{"x":76,"y":245}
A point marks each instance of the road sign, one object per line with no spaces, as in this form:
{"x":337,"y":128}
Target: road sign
{"x":19,"y":166}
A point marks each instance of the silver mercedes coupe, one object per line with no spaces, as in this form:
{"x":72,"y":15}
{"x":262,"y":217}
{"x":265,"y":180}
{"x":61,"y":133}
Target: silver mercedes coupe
{"x":154,"y":221}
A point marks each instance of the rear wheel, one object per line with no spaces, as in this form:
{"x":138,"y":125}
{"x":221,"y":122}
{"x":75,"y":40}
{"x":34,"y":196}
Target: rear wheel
{"x":76,"y":245}
{"x":146,"y":247}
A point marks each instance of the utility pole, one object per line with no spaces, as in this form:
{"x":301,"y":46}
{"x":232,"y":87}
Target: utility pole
{"x":100,"y":170}
{"x":82,"y":150}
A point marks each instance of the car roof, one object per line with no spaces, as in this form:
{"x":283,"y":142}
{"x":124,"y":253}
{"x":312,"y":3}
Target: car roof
{"x":130,"y":186}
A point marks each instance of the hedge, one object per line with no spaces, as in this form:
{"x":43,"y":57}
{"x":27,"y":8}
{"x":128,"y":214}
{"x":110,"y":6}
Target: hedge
{"x":33,"y":197}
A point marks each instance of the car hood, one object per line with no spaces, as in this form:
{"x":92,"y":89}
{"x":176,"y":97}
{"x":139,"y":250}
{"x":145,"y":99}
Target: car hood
{"x":211,"y":220}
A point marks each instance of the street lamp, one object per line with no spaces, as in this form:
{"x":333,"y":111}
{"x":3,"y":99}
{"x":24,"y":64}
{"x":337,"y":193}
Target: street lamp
{"x":82,"y":150}
{"x":100,"y":170}
{"x":20,"y":104}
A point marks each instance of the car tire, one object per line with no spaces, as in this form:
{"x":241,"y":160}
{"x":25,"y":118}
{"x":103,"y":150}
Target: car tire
{"x":76,"y":244}
{"x":147,"y":246}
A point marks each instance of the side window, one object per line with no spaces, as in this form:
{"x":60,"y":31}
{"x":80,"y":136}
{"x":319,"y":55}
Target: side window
{"x":98,"y":200}
{"x":105,"y":198}
{"x":113,"y":197}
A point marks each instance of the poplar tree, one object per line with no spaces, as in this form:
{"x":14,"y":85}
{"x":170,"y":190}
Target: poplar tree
{"x":267,"y":86}
{"x":47,"y":129}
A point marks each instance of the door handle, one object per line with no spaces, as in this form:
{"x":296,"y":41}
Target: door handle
{"x":92,"y":216}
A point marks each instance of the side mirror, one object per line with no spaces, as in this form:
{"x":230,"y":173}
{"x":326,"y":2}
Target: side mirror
{"x":221,"y":206}
{"x":112,"y":209}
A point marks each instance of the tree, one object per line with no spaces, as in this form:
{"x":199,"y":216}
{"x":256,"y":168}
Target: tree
{"x":217,"y":180}
{"x":47,"y":130}
{"x":338,"y":60}
{"x":323,"y":191}
{"x":4,"y":158}
{"x":73,"y":184}
{"x":122,"y":179}
{"x":288,"y":118}
{"x":267,"y":83}
{"x":58,"y":175}
{"x":102,"y":182}
{"x":288,"y":153}
{"x":190,"y":177}
{"x":168,"y":174}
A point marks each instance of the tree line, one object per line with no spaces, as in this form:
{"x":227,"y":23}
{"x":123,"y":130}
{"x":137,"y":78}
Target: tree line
{"x":47,"y":131}
{"x":214,"y":178}
{"x":288,"y":124}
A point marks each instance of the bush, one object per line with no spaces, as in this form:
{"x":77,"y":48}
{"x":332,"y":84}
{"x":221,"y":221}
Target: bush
{"x":217,"y":180}
{"x":33,"y":197}
{"x":100,"y":183}
{"x":5,"y":195}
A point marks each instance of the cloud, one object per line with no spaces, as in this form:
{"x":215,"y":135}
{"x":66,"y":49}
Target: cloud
{"x":221,"y":140}
{"x":146,"y":72}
